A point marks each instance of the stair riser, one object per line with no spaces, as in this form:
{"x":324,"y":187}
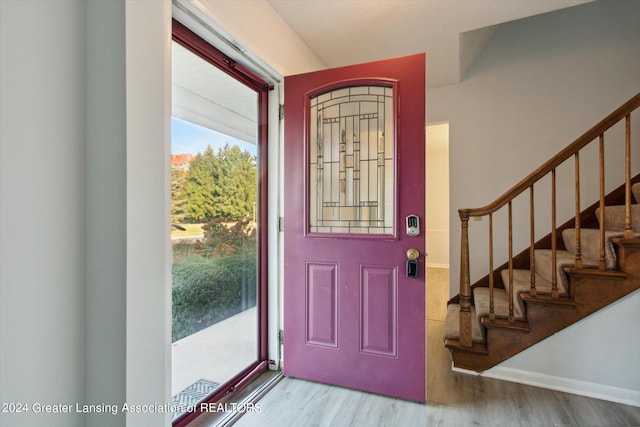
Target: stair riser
{"x":592,"y":293}
{"x":629,"y":255}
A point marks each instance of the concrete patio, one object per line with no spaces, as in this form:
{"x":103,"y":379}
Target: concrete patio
{"x":215,"y":353}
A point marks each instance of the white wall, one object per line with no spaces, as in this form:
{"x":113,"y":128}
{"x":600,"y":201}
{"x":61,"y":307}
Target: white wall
{"x":541,"y":83}
{"x":597,"y":357}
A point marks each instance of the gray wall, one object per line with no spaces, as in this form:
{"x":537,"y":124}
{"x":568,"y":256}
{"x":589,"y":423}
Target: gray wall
{"x":42,"y":216}
{"x":105,"y":209}
{"x":540,"y":83}
{"x":84,"y":202}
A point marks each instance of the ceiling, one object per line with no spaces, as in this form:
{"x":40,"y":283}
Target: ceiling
{"x":451,"y":32}
{"x":208,"y":97}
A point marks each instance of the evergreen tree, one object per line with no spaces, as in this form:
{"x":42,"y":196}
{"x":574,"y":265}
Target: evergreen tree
{"x":178,"y":201}
{"x":236,"y":194}
{"x":200,"y":187}
{"x":179,"y":170}
{"x":218,"y":185}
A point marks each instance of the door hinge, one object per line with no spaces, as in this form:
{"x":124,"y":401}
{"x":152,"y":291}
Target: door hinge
{"x":281,"y":336}
{"x":281,"y":112}
{"x":281,"y":224}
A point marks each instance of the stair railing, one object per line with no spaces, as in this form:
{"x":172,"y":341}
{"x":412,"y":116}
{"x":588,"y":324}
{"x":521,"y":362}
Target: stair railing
{"x":548,"y":168}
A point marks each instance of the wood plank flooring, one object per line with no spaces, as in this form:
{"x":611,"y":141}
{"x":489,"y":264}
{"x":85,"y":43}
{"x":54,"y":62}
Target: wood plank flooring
{"x":454,"y":399}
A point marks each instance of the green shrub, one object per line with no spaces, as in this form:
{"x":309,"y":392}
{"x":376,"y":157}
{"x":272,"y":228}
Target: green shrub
{"x":208,"y":290}
{"x":182,"y":248}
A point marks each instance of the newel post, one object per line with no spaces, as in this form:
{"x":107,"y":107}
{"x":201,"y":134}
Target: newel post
{"x":465,"y":283}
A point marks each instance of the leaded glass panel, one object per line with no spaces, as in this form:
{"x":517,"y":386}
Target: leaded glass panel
{"x":351,"y":161}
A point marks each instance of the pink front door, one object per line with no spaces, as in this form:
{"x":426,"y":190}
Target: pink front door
{"x":354,"y":314}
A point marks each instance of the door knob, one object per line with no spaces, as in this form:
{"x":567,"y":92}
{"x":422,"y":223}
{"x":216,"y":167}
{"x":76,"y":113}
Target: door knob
{"x":413,"y":254}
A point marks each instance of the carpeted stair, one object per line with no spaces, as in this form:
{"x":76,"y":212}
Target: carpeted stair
{"x":565,"y":260}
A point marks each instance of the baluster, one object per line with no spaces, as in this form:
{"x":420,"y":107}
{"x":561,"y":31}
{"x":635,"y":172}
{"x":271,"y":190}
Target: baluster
{"x":578,"y":254}
{"x":532,"y":244}
{"x":492,"y":314}
{"x":628,"y":230}
{"x":602,"y":265}
{"x":554,"y":269}
{"x":511,"y":319}
{"x":465,"y":283}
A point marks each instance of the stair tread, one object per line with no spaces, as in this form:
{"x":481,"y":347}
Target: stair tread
{"x":590,"y":244}
{"x":563,"y":259}
{"x":454,"y":344}
{"x":452,"y":324}
{"x":501,"y":303}
{"x":516,"y":325}
{"x":614,"y":217}
{"x":548,"y":299}
{"x":605,"y":274}
{"x":522,"y":282}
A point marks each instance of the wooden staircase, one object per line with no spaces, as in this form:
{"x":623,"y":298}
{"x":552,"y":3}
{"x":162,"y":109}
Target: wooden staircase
{"x":577,"y":269}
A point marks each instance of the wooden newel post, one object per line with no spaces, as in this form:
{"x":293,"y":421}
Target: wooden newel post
{"x":465,"y":283}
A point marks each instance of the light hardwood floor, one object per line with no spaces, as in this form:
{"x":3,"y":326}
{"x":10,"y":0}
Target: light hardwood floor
{"x":454,"y":399}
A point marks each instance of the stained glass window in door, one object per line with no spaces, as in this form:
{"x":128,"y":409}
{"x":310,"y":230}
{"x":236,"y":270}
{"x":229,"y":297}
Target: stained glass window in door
{"x":351,"y":161}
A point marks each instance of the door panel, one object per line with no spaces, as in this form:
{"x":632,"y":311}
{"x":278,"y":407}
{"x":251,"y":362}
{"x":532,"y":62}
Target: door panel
{"x":354,"y":169}
{"x":322,"y":304}
{"x":378,"y":305}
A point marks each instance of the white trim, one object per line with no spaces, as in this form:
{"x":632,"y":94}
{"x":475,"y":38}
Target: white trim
{"x":148,"y":201}
{"x":274,"y":248}
{"x":567,"y":385}
{"x":201,"y":20}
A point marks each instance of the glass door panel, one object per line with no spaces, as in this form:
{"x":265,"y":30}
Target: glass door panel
{"x":214,"y":178}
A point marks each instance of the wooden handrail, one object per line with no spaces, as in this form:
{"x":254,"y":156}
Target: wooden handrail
{"x":549,"y":167}
{"x":556,"y":160}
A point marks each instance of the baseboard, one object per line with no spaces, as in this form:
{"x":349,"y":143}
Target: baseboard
{"x":568,"y":385}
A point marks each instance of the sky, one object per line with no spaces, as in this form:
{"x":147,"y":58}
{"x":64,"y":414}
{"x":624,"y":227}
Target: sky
{"x":190,"y":138}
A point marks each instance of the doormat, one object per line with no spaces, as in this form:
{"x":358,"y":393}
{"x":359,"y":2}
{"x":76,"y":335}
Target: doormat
{"x":191,"y":396}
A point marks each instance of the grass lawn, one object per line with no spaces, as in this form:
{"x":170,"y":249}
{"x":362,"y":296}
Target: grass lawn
{"x":191,"y":230}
